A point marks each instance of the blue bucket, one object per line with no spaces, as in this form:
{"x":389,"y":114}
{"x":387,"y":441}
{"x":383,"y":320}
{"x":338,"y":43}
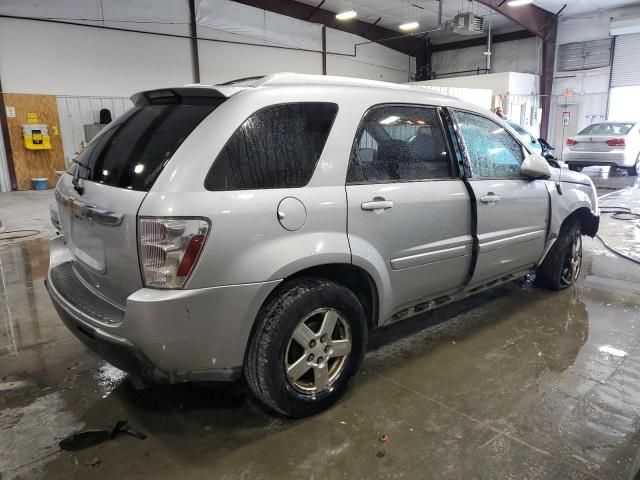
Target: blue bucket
{"x":40,"y":183}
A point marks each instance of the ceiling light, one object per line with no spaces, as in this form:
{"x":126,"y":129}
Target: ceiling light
{"x":348,"y":15}
{"x":409,"y":26}
{"x":519,"y":3}
{"x":389,"y":120}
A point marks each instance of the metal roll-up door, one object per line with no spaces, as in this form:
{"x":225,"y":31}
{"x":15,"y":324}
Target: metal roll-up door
{"x":626,"y":61}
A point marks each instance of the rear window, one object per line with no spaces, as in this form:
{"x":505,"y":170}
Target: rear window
{"x":276,"y":147}
{"x":132,"y":151}
{"x":607,"y":129}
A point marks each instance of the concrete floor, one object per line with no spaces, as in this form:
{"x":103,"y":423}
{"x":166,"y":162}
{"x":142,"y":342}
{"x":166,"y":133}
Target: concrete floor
{"x":514,"y":383}
{"x":25,"y":210}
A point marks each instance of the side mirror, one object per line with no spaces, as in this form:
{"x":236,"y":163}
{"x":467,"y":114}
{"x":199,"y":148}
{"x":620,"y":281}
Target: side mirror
{"x":535,"y":166}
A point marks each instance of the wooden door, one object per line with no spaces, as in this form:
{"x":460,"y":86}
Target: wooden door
{"x":30,"y":164}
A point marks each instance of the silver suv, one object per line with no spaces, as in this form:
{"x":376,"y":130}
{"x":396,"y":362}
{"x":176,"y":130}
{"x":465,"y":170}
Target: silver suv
{"x":261,"y":229}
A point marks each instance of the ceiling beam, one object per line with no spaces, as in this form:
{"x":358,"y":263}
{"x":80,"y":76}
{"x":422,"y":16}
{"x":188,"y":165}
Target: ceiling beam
{"x":536,"y":20}
{"x":372,"y":32}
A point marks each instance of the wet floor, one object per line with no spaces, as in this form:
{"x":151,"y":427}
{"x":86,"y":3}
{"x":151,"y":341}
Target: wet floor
{"x":514,"y":383}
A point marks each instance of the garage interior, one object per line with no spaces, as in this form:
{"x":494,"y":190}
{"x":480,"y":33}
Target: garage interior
{"x":515,"y":382}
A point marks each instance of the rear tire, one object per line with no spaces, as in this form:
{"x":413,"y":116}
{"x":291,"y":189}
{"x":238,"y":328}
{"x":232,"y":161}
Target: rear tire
{"x":297,"y":363}
{"x":562,"y":265}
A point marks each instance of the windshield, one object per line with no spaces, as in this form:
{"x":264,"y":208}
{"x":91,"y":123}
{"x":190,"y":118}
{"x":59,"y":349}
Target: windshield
{"x":607,"y":129}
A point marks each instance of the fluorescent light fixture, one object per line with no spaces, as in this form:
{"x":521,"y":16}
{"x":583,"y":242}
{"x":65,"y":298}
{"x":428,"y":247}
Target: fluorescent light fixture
{"x":519,"y":3}
{"x":409,"y":26}
{"x":389,"y":120}
{"x":348,"y":15}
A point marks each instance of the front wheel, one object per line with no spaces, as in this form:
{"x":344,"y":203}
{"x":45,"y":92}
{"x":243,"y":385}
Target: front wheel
{"x":307,"y":348}
{"x":562,"y":265}
{"x":575,"y":168}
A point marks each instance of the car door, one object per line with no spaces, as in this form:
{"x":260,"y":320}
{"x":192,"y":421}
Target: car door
{"x":409,"y":214}
{"x":512,"y":211}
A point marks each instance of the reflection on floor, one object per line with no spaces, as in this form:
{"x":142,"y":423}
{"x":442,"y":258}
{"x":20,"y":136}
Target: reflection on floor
{"x":514,"y":383}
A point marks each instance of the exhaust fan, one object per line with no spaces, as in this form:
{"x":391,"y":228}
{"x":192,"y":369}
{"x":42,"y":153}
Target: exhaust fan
{"x":468,"y":24}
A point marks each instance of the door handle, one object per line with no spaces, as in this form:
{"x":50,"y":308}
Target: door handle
{"x":490,"y":198}
{"x":377,"y":204}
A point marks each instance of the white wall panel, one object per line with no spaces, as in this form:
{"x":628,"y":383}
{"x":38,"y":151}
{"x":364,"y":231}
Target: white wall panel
{"x":165,"y":16}
{"x":78,"y":60}
{"x":372,"y":53}
{"x":249,"y":24}
{"x":516,"y":56}
{"x":75,"y":112}
{"x":220,"y":62}
{"x":349,"y":67}
{"x":81,"y":11}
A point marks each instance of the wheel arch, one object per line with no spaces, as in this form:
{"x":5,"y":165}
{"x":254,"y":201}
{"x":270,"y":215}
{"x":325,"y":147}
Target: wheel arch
{"x":588,"y":221}
{"x":354,"y":277}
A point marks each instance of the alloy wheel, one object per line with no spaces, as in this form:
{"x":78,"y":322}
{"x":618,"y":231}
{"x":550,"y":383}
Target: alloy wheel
{"x":317,"y":351}
{"x":572,"y":262}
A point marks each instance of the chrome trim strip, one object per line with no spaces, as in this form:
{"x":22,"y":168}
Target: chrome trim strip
{"x":510,"y":241}
{"x":430,"y":257}
{"x":81,"y":209}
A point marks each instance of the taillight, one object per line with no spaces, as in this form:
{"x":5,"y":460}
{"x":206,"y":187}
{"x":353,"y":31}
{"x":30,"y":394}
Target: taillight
{"x":169,"y":249}
{"x":571,"y":141}
{"x":616,"y":142}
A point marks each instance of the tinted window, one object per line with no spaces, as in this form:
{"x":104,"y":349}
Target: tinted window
{"x":276,"y":147}
{"x":493,"y":152}
{"x":132,"y":150}
{"x":399,"y":143}
{"x":607,"y":129}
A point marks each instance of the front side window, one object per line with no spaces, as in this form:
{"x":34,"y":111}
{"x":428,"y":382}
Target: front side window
{"x":276,"y":147}
{"x":399,"y":143}
{"x":493,"y":152}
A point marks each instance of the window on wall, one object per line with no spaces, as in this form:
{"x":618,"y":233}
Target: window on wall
{"x":493,"y":152}
{"x":276,"y":147}
{"x":398,"y":143}
{"x":584,"y":55}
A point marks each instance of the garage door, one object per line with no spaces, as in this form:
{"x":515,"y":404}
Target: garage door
{"x":626,"y":61}
{"x":624,"y":98}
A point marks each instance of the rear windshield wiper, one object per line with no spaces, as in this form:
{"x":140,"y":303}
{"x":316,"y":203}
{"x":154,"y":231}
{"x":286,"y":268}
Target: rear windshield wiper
{"x":76,"y":177}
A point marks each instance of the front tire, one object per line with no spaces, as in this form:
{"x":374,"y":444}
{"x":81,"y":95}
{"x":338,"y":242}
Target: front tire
{"x":575,"y":168}
{"x":562,"y":265}
{"x":307,"y":348}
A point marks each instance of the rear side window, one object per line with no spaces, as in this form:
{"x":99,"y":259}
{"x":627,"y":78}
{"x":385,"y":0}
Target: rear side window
{"x":132,"y":150}
{"x":399,"y":143}
{"x":276,"y":147}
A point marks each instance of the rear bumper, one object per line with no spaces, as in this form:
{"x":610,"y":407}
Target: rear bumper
{"x":614,"y":158}
{"x":162,"y":336}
